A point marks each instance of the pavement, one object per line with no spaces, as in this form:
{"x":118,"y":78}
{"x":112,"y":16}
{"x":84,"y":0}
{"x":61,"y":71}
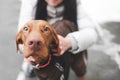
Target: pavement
{"x":103,"y":57}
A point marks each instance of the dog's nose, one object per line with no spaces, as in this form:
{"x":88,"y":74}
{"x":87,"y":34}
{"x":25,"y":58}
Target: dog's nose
{"x":34,"y":42}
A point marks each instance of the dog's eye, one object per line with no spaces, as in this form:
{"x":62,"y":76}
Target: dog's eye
{"x":46,"y":29}
{"x":25,"y":29}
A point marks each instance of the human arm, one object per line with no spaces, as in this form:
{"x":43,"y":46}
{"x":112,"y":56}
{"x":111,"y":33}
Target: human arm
{"x":27,"y":12}
{"x":78,"y":41}
{"x":85,"y":37}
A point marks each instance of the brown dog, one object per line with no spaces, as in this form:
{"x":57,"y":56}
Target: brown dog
{"x":39,"y":39}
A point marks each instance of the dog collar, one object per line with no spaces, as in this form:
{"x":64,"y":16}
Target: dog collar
{"x":45,"y":65}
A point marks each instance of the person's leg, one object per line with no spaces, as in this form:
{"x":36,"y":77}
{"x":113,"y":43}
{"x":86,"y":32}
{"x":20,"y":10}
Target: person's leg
{"x":63,"y":27}
{"x":78,"y":60}
{"x":79,"y":63}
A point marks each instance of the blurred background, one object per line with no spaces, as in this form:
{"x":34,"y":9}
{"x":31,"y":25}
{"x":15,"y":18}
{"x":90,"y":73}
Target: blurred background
{"x":103,"y":57}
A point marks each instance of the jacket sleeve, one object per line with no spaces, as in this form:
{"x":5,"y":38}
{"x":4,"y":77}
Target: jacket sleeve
{"x":27,"y":12}
{"x":87,"y":34}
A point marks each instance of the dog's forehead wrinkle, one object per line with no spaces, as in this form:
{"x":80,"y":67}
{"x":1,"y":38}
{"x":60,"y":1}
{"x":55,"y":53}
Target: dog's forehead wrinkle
{"x":41,"y":23}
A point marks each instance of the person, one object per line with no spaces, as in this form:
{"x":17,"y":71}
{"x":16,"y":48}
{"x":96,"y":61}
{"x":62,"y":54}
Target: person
{"x":53,"y":10}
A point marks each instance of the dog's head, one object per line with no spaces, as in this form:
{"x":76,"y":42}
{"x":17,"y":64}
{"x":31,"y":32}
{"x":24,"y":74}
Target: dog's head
{"x":38,"y":39}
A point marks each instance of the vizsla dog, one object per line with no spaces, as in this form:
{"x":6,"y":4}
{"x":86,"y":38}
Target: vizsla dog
{"x":40,"y":42}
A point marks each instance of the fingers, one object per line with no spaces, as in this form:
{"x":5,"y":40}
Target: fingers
{"x":64,"y":45}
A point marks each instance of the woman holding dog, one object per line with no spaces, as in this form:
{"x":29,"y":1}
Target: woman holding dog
{"x":55,"y":10}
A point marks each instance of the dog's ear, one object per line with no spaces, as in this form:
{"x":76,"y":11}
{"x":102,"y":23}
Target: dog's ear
{"x":55,"y":42}
{"x":19,"y":39}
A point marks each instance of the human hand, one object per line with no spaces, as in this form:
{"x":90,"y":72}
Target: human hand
{"x":64,"y":44}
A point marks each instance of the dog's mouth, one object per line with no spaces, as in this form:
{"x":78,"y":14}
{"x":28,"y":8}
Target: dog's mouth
{"x":38,"y":57}
{"x":42,"y":64}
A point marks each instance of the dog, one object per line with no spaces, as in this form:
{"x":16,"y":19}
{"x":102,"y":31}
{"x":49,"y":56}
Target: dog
{"x":40,"y":43}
